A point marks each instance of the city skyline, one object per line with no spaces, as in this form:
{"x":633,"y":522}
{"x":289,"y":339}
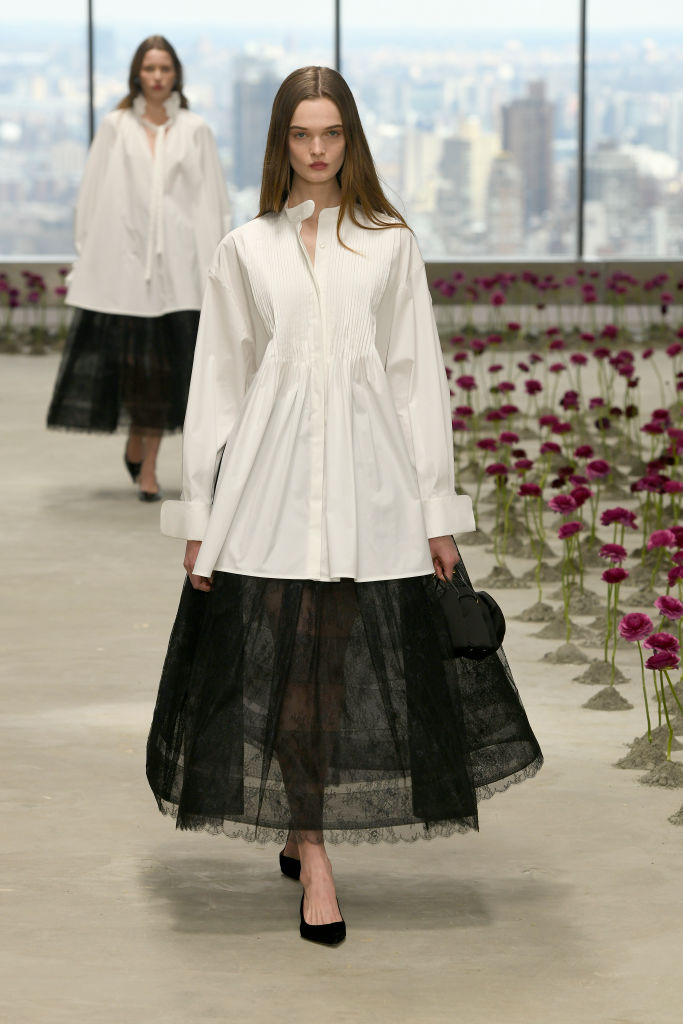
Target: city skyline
{"x":434,"y":118}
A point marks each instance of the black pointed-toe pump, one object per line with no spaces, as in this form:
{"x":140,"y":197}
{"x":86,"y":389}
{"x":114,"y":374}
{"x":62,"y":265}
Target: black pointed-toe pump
{"x":326,"y":934}
{"x":290,"y":866}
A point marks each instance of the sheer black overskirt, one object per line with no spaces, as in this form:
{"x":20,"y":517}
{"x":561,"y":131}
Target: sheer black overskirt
{"x":121,"y":371}
{"x":300,"y":704}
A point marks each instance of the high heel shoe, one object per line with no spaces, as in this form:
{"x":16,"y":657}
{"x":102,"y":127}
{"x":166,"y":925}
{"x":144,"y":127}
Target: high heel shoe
{"x":150,"y":495}
{"x":290,"y":866}
{"x":132,"y":467}
{"x":327,"y":934}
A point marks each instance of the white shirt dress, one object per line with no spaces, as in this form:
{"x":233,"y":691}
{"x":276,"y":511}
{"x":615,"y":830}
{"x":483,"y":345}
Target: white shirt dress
{"x":317,"y":441}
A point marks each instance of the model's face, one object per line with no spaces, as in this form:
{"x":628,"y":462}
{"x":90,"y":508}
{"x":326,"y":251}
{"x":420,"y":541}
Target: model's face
{"x":316,"y":141}
{"x":157,"y":76}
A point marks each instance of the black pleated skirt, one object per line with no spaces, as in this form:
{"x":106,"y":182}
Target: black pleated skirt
{"x":307,"y":705}
{"x":122,"y":371}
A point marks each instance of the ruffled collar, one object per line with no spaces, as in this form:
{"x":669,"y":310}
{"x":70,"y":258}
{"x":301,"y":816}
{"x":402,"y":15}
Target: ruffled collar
{"x":171,"y":106}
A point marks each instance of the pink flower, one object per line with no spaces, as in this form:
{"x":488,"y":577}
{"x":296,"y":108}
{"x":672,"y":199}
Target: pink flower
{"x":619,"y":515}
{"x":614,"y":552}
{"x":670,"y":607}
{"x":464,"y":410}
{"x":508,"y":437}
{"x":561,"y":428}
{"x":512,"y":326}
{"x":580,"y":494}
{"x":523,"y":465}
{"x":578,"y":359}
{"x":557,"y":367}
{"x":529,"y":491}
{"x":548,"y":419}
{"x":673,"y":487}
{"x":467,"y":383}
{"x":533,"y":387}
{"x":497,"y":299}
{"x":584,"y":451}
{"x":597,"y":469}
{"x":674,"y":574}
{"x":677,"y":557}
{"x":635,"y":626}
{"x":661,"y":660}
{"x":563,"y":503}
{"x":615,"y":575}
{"x":497,"y":469}
{"x":569,"y":529}
{"x":673,"y":350}
{"x":550,"y":448}
{"x":661,"y":539}
{"x":488,"y":444}
{"x":662,"y":642}
{"x":458,"y":424}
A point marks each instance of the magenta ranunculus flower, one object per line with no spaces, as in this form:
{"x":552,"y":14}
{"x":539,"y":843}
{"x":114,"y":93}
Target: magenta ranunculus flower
{"x":621,"y":516}
{"x":548,"y":419}
{"x":674,"y":574}
{"x":487,"y":444}
{"x":662,"y":642}
{"x":508,"y":437}
{"x":523,"y":465}
{"x":569,"y":529}
{"x":614,"y":552}
{"x":550,"y":448}
{"x":673,"y":487}
{"x":563,"y":503}
{"x":670,"y":607}
{"x":661,"y":660}
{"x":597,"y":469}
{"x":458,"y":424}
{"x":584,"y":451}
{"x":498,"y":469}
{"x":615,"y":575}
{"x":529,"y":491}
{"x":661,"y":539}
{"x":635,"y":626}
{"x":467,"y":383}
{"x":580,"y":494}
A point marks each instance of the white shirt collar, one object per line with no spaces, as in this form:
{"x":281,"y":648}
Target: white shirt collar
{"x":295,"y":214}
{"x":171,"y":106}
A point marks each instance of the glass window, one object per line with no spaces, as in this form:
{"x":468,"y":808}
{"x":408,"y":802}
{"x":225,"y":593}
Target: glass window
{"x":43,"y":124}
{"x":634,"y":130}
{"x":470,"y":111}
{"x":233,"y":65}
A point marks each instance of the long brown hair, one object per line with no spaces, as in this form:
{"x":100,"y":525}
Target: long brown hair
{"x":360,"y":186}
{"x":134,"y":88}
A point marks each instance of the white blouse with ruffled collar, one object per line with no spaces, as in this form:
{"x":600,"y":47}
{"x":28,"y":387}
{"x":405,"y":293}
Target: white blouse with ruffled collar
{"x":148,"y":221}
{"x":317,"y":442}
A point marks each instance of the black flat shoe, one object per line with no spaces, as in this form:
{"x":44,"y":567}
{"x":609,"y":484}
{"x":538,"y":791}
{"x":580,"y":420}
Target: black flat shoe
{"x":326,"y":934}
{"x":132,"y":467}
{"x":290,"y":866}
{"x":149,"y":496}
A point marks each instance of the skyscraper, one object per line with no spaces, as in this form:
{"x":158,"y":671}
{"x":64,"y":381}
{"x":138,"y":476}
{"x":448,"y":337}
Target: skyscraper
{"x":255,"y":86}
{"x":528,"y":136}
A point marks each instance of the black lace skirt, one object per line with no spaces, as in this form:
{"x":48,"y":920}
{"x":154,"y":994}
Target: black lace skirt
{"x":122,"y":371}
{"x":297,"y":704}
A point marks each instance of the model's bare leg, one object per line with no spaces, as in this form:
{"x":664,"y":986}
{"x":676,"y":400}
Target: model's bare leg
{"x":307,"y":731}
{"x":148,"y":473}
{"x":134,"y":446}
{"x":320,"y":897}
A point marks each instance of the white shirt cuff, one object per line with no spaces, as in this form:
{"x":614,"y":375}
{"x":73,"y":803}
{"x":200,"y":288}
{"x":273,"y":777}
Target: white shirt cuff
{"x":186,"y":519}
{"x":448,"y":515}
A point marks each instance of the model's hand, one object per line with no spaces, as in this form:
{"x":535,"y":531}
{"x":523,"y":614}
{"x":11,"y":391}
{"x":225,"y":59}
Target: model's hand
{"x":444,"y":556}
{"x":191,"y":552}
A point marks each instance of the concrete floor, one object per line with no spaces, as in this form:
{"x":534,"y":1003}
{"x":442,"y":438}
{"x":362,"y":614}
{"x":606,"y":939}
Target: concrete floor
{"x":565,"y":909}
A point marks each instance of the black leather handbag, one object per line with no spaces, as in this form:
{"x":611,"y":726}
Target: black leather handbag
{"x":475,"y":624}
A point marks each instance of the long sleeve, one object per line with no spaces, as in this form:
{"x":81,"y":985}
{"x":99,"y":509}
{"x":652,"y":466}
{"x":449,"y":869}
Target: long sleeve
{"x":224,"y":364}
{"x":92,"y":188}
{"x":214,"y":194}
{"x":415,"y":371}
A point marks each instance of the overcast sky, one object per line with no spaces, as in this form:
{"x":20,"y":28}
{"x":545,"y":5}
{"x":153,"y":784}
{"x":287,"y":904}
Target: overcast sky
{"x":463,"y":14}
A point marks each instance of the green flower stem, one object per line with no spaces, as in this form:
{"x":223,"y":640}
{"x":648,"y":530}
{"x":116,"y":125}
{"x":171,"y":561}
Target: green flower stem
{"x":673,"y":690}
{"x":647,"y":705}
{"x":608,"y":630}
{"x":615,"y":634}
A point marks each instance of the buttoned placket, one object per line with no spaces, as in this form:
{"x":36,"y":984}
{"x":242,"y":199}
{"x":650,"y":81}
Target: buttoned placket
{"x":318,"y":354}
